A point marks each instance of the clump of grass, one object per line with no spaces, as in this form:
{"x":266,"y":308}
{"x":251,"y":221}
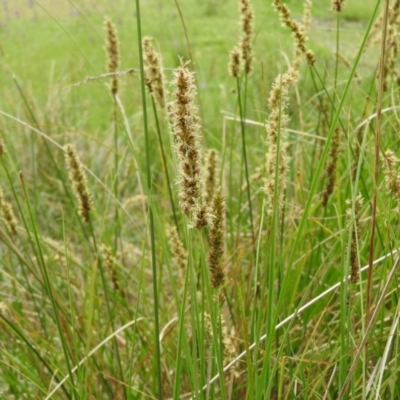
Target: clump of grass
{"x":78,"y":180}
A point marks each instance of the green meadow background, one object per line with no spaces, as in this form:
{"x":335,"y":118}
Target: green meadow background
{"x":58,"y":300}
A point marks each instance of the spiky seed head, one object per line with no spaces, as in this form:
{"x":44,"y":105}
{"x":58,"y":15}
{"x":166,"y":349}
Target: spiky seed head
{"x":216,"y":239}
{"x":112,"y":51}
{"x":77,"y":177}
{"x":154,"y":76}
{"x":186,"y":129}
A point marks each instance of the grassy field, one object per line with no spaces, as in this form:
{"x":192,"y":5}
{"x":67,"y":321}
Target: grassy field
{"x":290,"y":291}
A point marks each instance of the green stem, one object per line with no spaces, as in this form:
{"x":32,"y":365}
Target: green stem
{"x":157,"y":358}
{"x":164,"y":160}
{"x":246,"y":167}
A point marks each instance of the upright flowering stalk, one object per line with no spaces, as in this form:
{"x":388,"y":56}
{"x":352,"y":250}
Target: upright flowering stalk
{"x":112,"y":51}
{"x":185,"y":125}
{"x":276,"y":125}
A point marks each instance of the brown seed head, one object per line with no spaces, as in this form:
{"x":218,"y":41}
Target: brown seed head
{"x":331,"y":167}
{"x":178,"y":251}
{"x":8,"y":214}
{"x":216,"y":238}
{"x":185,"y":125}
{"x":112,"y":51}
{"x":154,"y":77}
{"x":235,"y":62}
{"x":78,"y":180}
{"x":210,"y":179}
{"x":246,"y":42}
{"x":298,"y":32}
{"x":355,"y":219}
{"x":337,"y":5}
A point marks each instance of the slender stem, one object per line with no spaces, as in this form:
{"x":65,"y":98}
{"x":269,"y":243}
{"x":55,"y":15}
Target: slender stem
{"x":246,"y":167}
{"x":157,"y":358}
{"x":116,"y":216}
{"x":164,"y":160}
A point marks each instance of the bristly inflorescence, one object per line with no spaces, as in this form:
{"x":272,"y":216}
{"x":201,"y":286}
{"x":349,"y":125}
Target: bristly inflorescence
{"x":178,"y":251}
{"x":277,"y":160}
{"x":112,"y":51}
{"x":235,"y":62}
{"x":210,"y":178}
{"x":217,"y":239}
{"x":331,"y":167}
{"x":298,"y":31}
{"x":153,"y":71}
{"x":355,"y":220}
{"x":79,"y":183}
{"x":8,"y":214}
{"x":246,"y":41}
{"x":186,"y":128}
{"x":337,"y":5}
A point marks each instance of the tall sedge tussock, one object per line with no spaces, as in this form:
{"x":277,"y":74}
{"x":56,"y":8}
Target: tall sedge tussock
{"x":78,"y":180}
{"x":331,"y":167}
{"x":112,"y":51}
{"x":217,"y":241}
{"x":355,"y":219}
{"x":153,"y":71}
{"x":186,"y":129}
{"x":277,"y":161}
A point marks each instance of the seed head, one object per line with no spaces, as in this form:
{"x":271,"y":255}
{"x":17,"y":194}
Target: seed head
{"x":216,"y":238}
{"x":246,"y":43}
{"x":112,"y":51}
{"x":154,"y":77}
{"x":78,"y":179}
{"x":8,"y":214}
{"x":185,"y":125}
